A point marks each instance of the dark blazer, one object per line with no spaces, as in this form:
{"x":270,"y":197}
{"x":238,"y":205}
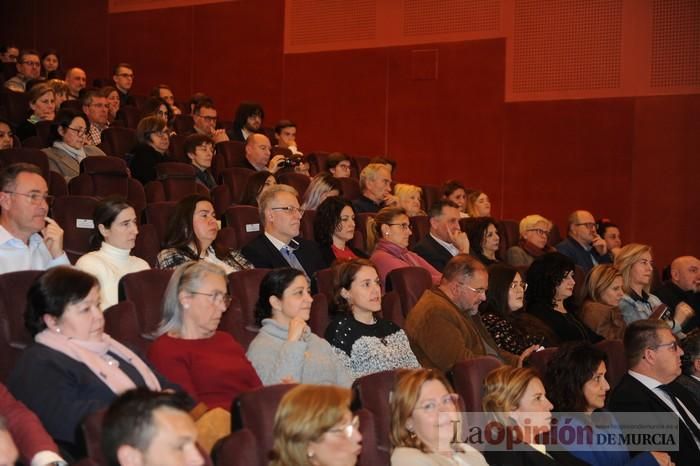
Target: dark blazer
{"x":528,"y":456}
{"x":329,"y":257}
{"x":630,"y":395}
{"x":670,"y":294}
{"x":235,"y":134}
{"x":264,"y":255}
{"x":691,"y":384}
{"x":433,"y":252}
{"x":364,"y":204}
{"x":574,"y":251}
{"x":143,"y":162}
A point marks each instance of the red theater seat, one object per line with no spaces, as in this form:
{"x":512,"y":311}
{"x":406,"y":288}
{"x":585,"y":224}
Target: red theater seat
{"x":409,"y":283}
{"x":118,"y":141}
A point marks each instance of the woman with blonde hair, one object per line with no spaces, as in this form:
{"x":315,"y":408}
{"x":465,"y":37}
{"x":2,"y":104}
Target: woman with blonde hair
{"x":425,"y":422}
{"x":315,"y":427}
{"x":322,"y":186}
{"x":409,"y":198}
{"x":478,"y":204}
{"x":387,"y":238}
{"x":515,"y":397}
{"x":600,"y":310}
{"x":42,"y":103}
{"x":634,"y":261}
{"x":534,"y":234}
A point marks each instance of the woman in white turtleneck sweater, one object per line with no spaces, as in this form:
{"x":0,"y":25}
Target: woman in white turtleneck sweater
{"x":116,"y":228}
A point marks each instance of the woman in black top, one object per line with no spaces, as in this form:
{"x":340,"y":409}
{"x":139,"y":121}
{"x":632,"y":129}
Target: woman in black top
{"x":154,"y":140}
{"x":484,"y":240}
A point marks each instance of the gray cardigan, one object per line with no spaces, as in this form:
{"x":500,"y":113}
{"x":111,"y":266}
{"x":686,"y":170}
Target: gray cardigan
{"x":61,"y":162}
{"x":309,"y":360}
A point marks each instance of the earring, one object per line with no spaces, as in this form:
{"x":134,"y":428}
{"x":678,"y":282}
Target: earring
{"x":58,"y":330}
{"x":310,"y":454}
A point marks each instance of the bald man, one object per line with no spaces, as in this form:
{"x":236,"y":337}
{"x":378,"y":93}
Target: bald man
{"x":76,"y":79}
{"x":583,"y":245}
{"x":682,"y":292}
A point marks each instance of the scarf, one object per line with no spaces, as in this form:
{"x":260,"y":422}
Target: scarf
{"x":533,"y":250}
{"x":77,"y":154}
{"x":398,"y":252}
{"x":94,"y":355}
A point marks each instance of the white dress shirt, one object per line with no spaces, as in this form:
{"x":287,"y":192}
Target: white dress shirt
{"x":16,"y":255}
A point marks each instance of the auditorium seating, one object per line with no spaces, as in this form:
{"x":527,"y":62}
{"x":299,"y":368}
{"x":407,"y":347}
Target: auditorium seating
{"x":295,"y":180}
{"x":74,"y":214}
{"x":468,"y":377}
{"x":56,"y":182}
{"x":145,"y":289}
{"x":245,"y":222}
{"x":372,"y":392}
{"x":122,"y":324}
{"x":420,"y":227}
{"x":174,"y":181}
{"x":117,"y":141}
{"x":351,"y":188}
{"x":158,"y":214}
{"x":235,"y":178}
{"x":409,"y":283}
{"x":245,"y":286}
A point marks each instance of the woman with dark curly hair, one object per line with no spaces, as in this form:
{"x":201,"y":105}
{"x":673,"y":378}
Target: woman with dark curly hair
{"x":191,"y":235}
{"x":576,"y":383}
{"x":484,"y":240}
{"x":364,"y":342}
{"x":334,"y":228}
{"x":550,"y":281}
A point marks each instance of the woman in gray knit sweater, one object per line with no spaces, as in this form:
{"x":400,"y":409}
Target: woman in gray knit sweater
{"x":285,"y":350}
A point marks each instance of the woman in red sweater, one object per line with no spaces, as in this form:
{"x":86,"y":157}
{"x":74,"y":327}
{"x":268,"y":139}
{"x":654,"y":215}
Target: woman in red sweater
{"x":210,"y":365}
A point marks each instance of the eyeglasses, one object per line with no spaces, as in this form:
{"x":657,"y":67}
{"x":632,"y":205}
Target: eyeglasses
{"x":475,"y":290}
{"x":347,"y":430}
{"x":515,"y":285}
{"x":217,"y":297}
{"x":35,"y":198}
{"x":450,"y":400}
{"x":404,"y":226}
{"x":79,"y":131}
{"x":31,"y":63}
{"x":539,"y":231}
{"x":289,"y":209}
{"x":126,"y":75}
{"x":588,"y":225}
{"x":673,"y":346}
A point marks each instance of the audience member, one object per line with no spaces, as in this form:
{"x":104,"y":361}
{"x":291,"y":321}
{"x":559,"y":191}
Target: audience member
{"x":209,"y":364}
{"x":28,"y":68}
{"x":583,"y":245}
{"x":409,"y":199}
{"x":322,"y":186}
{"x":200,"y":150}
{"x":60,"y":91}
{"x":635,"y":263}
{"x":68,"y":143}
{"x":516,"y":398}
{"x":484,"y":240}
{"x":76,"y":79}
{"x":257,"y":155}
{"x":192,"y":236}
{"x":42,"y":102}
{"x":504,"y":302}
{"x":365,"y":343}
{"x":123,"y":78}
{"x":144,"y":428}
{"x":9,"y":53}
{"x":285,"y":350}
{"x":248,"y":120}
{"x":255,"y":185}
{"x":286,"y":134}
{"x":611,"y":235}
{"x":195,"y":99}
{"x":550,"y":281}
{"x":478,"y":204}
{"x":6,"y":134}
{"x":387,"y":239}
{"x":454,"y":191}
{"x":153,"y":139}
{"x":113,"y":103}
{"x":96,"y":108}
{"x":338,"y":165}
{"x":334,"y":229}
{"x":375,"y":184}
{"x":576,"y":385}
{"x":166,"y":93}
{"x":8,"y":450}
{"x":690,"y":379}
{"x":51,"y":65}
{"x":682,"y":290}
{"x":446,"y":238}
{"x":314,"y":426}
{"x":279,"y":246}
{"x":66,"y":322}
{"x":33,"y":442}
{"x":600,"y":310}
{"x":29,"y":240}
{"x":157,"y":107}
{"x":115,"y":230}
{"x":204,"y":116}
{"x":425,"y":420}
{"x":444,"y":326}
{"x":654,"y":361}
{"x":534,"y":234}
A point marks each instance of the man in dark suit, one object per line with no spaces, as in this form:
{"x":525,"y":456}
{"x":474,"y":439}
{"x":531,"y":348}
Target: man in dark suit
{"x":682,"y":289}
{"x":446,"y":239}
{"x":583,"y":245}
{"x":654,"y":358}
{"x":257,"y":155}
{"x":279,"y":246}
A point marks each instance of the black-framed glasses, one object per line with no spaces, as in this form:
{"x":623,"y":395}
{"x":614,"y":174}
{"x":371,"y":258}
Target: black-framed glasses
{"x":289,"y":209}
{"x":211,"y":119}
{"x":217,"y":297}
{"x":404,"y":226}
{"x":35,"y":198}
{"x":586,"y":224}
{"x":673,"y":346}
{"x":79,"y":131}
{"x":126,"y":75}
{"x":539,"y":231}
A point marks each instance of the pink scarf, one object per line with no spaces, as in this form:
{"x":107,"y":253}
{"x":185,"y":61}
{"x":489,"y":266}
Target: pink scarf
{"x":94,"y":355}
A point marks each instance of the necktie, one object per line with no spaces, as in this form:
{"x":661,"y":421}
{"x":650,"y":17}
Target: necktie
{"x":291,"y":258}
{"x":683,"y":413}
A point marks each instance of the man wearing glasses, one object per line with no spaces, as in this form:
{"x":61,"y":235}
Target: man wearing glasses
{"x":204,"y":116}
{"x":95,"y":107}
{"x":444,"y":327}
{"x":29,"y":240}
{"x":28,"y":68}
{"x":279,"y":245}
{"x":123,"y":77}
{"x":650,"y":386}
{"x":583,"y":245}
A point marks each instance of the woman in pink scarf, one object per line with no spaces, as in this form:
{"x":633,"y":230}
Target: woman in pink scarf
{"x":387,"y":238}
{"x":73,"y":368}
